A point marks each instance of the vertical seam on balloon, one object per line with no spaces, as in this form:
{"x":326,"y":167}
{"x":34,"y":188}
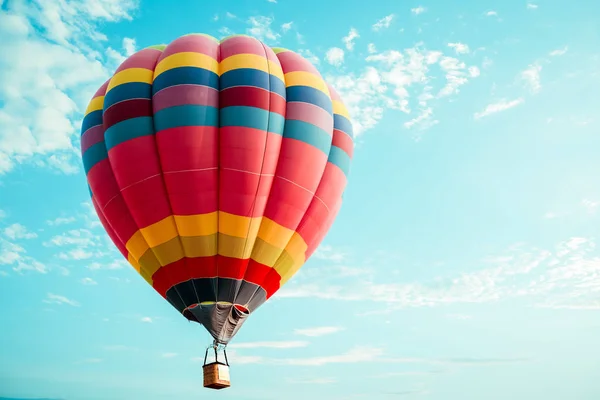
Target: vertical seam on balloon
{"x":132,"y":218}
{"x":164,"y":184}
{"x":303,"y":216}
{"x":215,"y":282}
{"x":260,"y":178}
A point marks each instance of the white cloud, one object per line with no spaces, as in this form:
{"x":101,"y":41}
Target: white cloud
{"x":18,"y":231}
{"x":501,"y":105}
{"x":459,"y":48}
{"x":356,"y":355}
{"x":590,"y":205}
{"x":261,"y":29}
{"x":350,"y":38}
{"x":272,"y":1}
{"x":318,"y":331}
{"x":146,"y":319}
{"x":565,"y":276}
{"x":310,"y":56}
{"x":13,"y":255}
{"x":371,"y":48}
{"x":532,"y":6}
{"x":269,"y":345}
{"x":418,"y":10}
{"x":286,"y":27}
{"x":383,"y":23}
{"x":61,"y":221}
{"x":424,"y":120}
{"x":88,"y":281}
{"x":491,"y":14}
{"x":388,"y":78}
{"x":58,"y":299}
{"x":43,"y":100}
{"x":531,"y":77}
{"x":559,"y":52}
{"x":326,"y":252}
{"x":169,"y":355}
{"x":335,"y":56}
{"x":118,"y":263}
{"x":129,"y":46}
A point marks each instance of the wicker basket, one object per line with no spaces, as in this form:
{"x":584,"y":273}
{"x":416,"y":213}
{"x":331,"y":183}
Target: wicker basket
{"x":216,"y":375}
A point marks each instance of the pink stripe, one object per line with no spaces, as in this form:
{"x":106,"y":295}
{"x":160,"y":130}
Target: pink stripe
{"x":291,"y":62}
{"x":142,"y":59}
{"x":185,"y":94}
{"x":193,"y":43}
{"x":102,"y":90}
{"x":343,"y":141}
{"x":334,"y":94}
{"x":310,"y":113}
{"x":242,"y":45}
{"x":91,"y":137}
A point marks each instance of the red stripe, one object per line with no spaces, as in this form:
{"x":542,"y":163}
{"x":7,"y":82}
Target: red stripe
{"x":134,"y":160}
{"x":239,"y":193}
{"x":126,"y":110}
{"x":252,"y":97}
{"x":109,"y":230}
{"x":312,"y":246}
{"x":271,"y":283}
{"x":91,"y":137}
{"x":332,"y":185}
{"x":102,"y":182}
{"x":188,"y":147}
{"x":343,"y":141}
{"x":120,"y":219}
{"x":301,"y":163}
{"x":287,"y":203}
{"x":193,"y":192}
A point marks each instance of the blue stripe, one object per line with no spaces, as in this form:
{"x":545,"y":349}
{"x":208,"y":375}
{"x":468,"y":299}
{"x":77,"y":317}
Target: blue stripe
{"x":252,"y":77}
{"x":129,"y":129}
{"x":127,"y":91}
{"x":252,"y":117}
{"x":94,"y":155}
{"x":307,"y":94}
{"x":92,"y":119}
{"x":307,"y":133}
{"x":343,"y":124}
{"x":186,"y":115}
{"x":186,"y":75}
{"x":340,"y":158}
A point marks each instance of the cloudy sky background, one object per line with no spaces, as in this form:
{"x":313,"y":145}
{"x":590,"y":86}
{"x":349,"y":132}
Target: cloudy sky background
{"x":463,"y":264}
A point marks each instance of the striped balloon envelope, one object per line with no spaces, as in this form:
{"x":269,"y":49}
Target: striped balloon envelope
{"x":216,"y":168}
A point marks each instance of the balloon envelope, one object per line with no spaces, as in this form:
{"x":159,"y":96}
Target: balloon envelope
{"x":216,"y":168}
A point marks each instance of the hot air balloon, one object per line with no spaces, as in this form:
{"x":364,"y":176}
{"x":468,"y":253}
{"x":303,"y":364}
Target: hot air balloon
{"x":216,"y":168}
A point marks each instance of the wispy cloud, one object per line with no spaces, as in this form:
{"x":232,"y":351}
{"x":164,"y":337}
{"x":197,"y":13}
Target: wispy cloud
{"x":500,"y":106}
{"x":17,"y":231}
{"x":169,"y":355}
{"x":383,"y":23}
{"x":418,"y":10}
{"x":52,"y":298}
{"x":147,"y":320}
{"x":318,"y":331}
{"x":350,"y":39}
{"x":531,"y":77}
{"x":269,"y":345}
{"x":335,"y":56}
{"x":260,"y":28}
{"x":559,"y":52}
{"x":459,"y":48}
{"x":61,"y":221}
{"x":532,"y":6}
{"x":88,"y":281}
{"x":567,"y":275}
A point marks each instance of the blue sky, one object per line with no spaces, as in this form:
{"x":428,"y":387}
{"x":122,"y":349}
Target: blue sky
{"x":463,"y":264}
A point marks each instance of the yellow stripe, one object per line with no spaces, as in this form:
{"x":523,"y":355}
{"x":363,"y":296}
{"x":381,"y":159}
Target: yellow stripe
{"x":253,"y":61}
{"x":206,"y":235}
{"x":197,"y":225}
{"x":136,"y":245}
{"x":303,"y":78}
{"x":95,"y":104}
{"x":340,"y":109}
{"x":130,"y":75}
{"x":187,"y":59}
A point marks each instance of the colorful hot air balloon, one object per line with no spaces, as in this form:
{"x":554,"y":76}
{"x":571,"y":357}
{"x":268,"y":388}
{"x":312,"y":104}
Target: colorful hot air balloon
{"x":216,"y":168}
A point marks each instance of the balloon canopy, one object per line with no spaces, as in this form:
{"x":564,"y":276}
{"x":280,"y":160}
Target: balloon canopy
{"x":216,"y":168}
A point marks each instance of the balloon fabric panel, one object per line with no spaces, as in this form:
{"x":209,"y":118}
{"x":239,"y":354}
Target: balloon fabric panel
{"x":216,"y":168}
